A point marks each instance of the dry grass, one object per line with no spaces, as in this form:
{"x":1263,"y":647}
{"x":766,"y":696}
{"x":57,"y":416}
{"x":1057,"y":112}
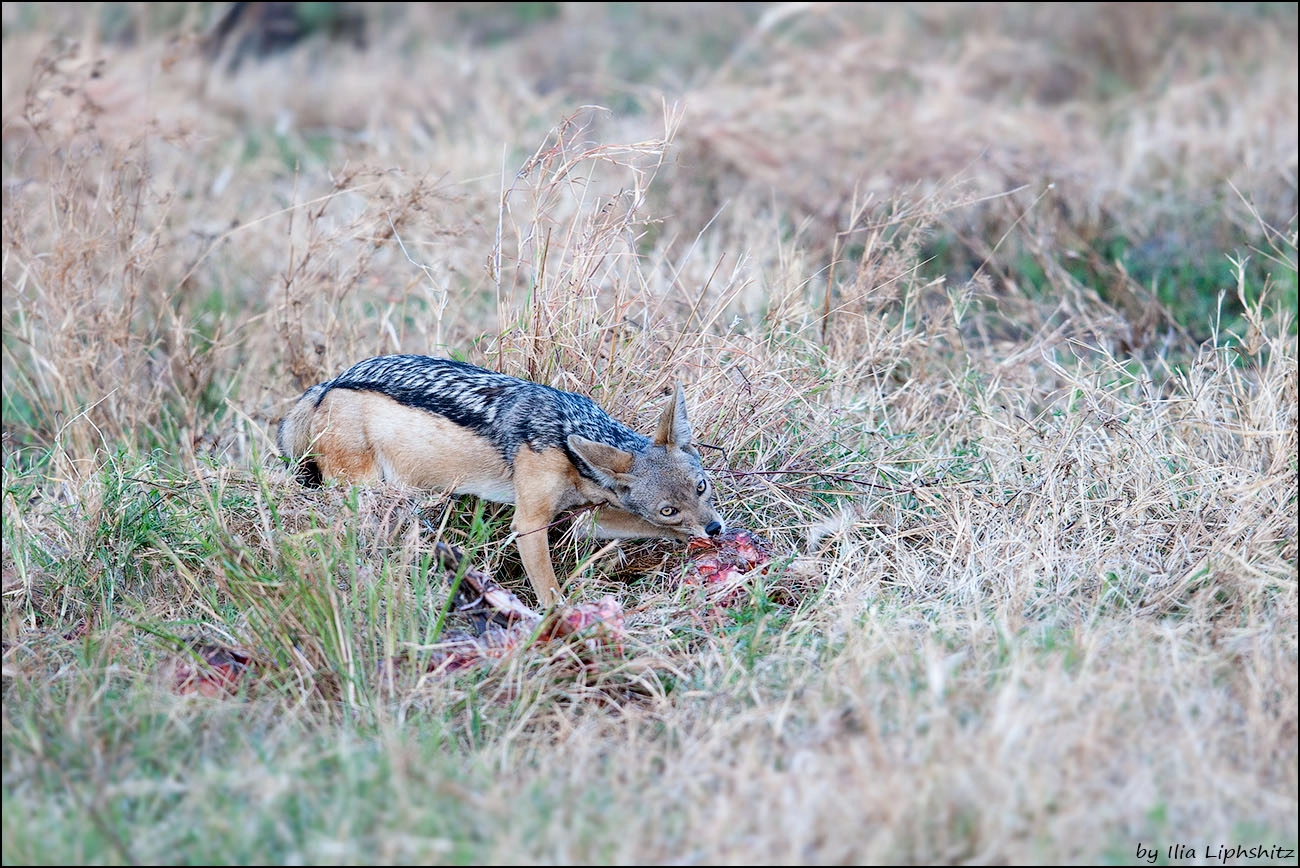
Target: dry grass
{"x":936,"y":282}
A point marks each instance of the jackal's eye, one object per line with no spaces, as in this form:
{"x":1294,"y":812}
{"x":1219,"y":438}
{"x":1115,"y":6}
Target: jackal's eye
{"x":668,"y":511}
{"x":702,"y":487}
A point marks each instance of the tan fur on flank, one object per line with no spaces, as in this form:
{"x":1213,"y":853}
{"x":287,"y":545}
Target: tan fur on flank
{"x":369,"y":437}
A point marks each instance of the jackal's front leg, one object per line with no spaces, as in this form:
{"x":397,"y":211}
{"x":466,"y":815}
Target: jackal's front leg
{"x":530,"y":536}
{"x":539,"y":490}
{"x":608,"y":522}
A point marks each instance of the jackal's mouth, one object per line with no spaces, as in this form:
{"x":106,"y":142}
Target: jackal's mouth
{"x":707,"y":532}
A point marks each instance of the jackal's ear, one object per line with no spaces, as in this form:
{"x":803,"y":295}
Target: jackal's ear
{"x":611,"y":465}
{"x":674,"y":427}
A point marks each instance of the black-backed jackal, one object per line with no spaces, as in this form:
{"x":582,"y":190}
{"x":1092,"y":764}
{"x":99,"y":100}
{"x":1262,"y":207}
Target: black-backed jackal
{"x":440,"y":424}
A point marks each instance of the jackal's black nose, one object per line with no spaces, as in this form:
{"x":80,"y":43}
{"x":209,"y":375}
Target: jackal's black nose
{"x":713,"y":528}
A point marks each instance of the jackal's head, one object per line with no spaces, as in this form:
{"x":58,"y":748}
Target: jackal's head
{"x":665,"y":483}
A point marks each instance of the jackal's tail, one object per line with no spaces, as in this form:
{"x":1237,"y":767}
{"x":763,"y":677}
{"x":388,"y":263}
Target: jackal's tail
{"x":293,"y":435}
